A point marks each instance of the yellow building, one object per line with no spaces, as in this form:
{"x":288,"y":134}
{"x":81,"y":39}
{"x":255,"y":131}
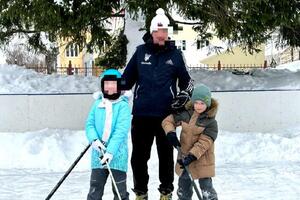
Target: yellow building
{"x":236,"y":58}
{"x":69,"y":55}
{"x":73,"y":61}
{"x":199,"y":54}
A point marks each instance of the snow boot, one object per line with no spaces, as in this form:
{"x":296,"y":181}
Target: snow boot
{"x":165,"y":196}
{"x":209,"y":195}
{"x":139,"y":195}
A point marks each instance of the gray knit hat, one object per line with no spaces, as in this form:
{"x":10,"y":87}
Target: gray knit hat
{"x":203,"y":93}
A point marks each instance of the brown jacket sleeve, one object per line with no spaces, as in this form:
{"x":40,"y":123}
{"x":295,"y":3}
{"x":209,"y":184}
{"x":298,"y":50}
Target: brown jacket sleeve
{"x":203,"y":144}
{"x":168,"y":124}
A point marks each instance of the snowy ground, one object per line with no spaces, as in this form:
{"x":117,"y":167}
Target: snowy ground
{"x":249,"y":166}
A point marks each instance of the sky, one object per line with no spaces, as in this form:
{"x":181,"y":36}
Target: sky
{"x":249,"y":166}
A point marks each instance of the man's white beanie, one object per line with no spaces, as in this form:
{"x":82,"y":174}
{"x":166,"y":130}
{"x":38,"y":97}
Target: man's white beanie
{"x":159,"y":21}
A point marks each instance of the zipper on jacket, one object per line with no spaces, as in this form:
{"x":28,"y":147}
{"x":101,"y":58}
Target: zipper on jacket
{"x":172,"y":92}
{"x":136,"y":91}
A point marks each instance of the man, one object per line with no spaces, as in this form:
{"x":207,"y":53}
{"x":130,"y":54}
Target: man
{"x":154,"y":69}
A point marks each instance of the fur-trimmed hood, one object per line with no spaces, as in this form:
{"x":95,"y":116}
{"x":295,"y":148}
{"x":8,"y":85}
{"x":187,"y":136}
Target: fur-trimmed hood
{"x":212,"y":111}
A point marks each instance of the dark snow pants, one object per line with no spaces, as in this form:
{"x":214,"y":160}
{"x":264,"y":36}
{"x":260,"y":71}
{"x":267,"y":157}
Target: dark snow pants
{"x":143,"y":132}
{"x":98,"y":181}
{"x":185,"y":188}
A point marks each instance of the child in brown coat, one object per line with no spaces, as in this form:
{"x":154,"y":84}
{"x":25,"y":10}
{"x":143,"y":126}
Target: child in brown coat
{"x":199,"y":131}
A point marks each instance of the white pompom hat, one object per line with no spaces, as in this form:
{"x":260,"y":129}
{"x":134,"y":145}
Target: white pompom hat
{"x":159,"y":21}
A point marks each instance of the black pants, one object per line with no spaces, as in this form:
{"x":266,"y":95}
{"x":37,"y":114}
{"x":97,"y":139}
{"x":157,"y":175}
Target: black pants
{"x":98,"y":181}
{"x":185,"y":188}
{"x":144,"y":129}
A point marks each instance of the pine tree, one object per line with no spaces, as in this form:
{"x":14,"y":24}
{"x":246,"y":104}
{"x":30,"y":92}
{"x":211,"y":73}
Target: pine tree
{"x":115,"y":55}
{"x":246,"y":23}
{"x":57,"y":19}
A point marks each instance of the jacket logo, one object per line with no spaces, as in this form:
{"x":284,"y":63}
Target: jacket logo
{"x":146,"y":63}
{"x":147,"y":56}
{"x":169,"y":62}
{"x":146,"y":59}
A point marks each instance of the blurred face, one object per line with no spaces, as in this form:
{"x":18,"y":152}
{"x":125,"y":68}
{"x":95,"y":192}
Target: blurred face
{"x":110,"y":87}
{"x":160,"y":36}
{"x":199,"y":106}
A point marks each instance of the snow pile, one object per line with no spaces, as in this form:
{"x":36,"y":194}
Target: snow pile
{"x":14,"y":79}
{"x":245,"y":163}
{"x":250,"y":148}
{"x":257,"y":79}
{"x":56,"y":149}
{"x":293,"y":66}
{"x":48,"y":149}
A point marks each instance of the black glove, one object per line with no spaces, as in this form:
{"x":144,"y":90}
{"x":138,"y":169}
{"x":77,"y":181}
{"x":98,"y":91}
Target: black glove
{"x":180,"y":100}
{"x":186,"y":160}
{"x":173,"y":140}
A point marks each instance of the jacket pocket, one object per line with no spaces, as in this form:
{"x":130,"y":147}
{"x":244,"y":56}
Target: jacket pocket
{"x":209,"y":158}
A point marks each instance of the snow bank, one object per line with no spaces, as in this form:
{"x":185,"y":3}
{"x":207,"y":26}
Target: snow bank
{"x":293,"y":66}
{"x":56,"y":149}
{"x":14,"y":79}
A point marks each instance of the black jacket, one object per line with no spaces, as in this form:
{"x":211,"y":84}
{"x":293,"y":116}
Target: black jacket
{"x":154,"y":71}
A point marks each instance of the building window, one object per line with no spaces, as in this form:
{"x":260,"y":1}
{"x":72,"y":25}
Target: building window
{"x":198,"y":44}
{"x":72,"y":50}
{"x":183,"y":45}
{"x":201,"y":44}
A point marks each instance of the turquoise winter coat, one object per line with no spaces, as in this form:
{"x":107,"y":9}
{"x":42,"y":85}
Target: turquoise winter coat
{"x":117,"y":144}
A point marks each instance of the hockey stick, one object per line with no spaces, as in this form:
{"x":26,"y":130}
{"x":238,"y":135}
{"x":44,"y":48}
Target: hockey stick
{"x":189,"y":174}
{"x":67,"y":172}
{"x":112,"y":177}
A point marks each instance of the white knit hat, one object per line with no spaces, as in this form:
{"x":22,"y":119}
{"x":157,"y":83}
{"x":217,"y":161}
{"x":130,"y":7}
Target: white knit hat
{"x":159,"y":21}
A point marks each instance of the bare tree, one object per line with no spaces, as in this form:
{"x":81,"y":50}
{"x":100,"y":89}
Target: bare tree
{"x":20,"y":55}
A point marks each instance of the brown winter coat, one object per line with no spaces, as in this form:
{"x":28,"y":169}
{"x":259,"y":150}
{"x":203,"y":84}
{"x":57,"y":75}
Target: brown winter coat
{"x":197,"y":137}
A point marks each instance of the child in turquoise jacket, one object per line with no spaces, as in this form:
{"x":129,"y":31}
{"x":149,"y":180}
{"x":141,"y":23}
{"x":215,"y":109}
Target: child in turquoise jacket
{"x":107,"y":129}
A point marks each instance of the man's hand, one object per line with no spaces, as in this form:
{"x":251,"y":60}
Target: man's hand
{"x":180,"y":100}
{"x":172,"y":138}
